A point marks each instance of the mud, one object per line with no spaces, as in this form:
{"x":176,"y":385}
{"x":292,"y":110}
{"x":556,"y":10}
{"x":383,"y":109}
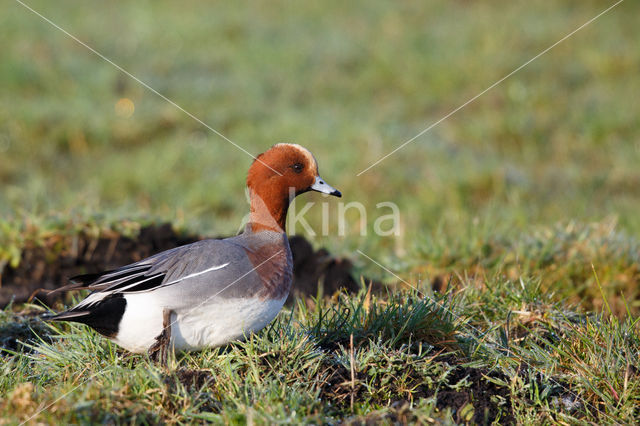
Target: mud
{"x":20,"y":331}
{"x":490,"y":402}
{"x":480,"y":401}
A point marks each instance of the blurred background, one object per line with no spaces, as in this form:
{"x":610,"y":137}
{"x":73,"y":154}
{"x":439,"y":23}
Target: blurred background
{"x":539,"y":176}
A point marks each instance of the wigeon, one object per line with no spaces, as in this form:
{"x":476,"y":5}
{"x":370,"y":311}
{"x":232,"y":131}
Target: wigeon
{"x":211,"y":292}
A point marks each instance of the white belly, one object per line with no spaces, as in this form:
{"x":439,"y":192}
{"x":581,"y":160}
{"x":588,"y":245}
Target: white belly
{"x":212,"y":324}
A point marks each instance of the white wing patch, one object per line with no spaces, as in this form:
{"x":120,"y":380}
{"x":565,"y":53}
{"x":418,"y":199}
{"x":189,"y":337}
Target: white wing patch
{"x":195,"y":274}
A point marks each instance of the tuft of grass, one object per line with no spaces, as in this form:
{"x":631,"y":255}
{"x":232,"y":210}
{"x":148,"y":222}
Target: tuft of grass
{"x":395,"y":319}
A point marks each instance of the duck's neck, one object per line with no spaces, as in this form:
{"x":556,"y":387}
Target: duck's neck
{"x":268,"y":212}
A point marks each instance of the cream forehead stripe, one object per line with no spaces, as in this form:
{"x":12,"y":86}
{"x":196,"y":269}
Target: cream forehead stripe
{"x":302,"y":150}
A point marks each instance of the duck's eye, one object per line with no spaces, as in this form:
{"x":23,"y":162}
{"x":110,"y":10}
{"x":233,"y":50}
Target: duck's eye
{"x":297,"y":167}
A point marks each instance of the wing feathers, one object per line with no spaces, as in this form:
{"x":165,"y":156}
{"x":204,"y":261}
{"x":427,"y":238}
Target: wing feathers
{"x":107,"y":275}
{"x":164,"y":269}
{"x":137,"y":279}
{"x":138,"y":283}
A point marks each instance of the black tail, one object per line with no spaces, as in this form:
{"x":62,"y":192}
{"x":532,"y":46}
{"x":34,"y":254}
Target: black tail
{"x":104,"y":316}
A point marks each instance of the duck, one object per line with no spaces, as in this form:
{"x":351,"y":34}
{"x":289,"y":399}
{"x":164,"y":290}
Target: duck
{"x":211,"y":292}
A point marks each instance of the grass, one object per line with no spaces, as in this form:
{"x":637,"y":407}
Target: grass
{"x":351,"y":82}
{"x":400,"y":357}
{"x":518,"y":213}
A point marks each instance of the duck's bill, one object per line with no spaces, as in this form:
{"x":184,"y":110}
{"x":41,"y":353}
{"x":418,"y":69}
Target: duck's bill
{"x":320,"y":186}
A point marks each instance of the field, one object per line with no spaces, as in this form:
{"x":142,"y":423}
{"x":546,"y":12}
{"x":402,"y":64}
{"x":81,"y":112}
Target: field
{"x":512,"y":291}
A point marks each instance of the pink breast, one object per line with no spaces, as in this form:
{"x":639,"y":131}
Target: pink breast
{"x":274,"y":266}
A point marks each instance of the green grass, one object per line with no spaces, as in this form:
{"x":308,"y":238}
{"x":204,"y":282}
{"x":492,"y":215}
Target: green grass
{"x":355,"y":358}
{"x":522,"y":208}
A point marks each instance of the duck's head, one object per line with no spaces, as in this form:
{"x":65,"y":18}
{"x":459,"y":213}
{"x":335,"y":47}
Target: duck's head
{"x":281,"y":173}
